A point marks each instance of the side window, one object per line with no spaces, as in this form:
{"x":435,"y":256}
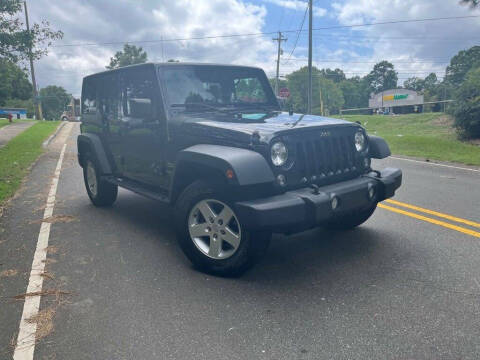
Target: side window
{"x":138,"y":95}
{"x":109,"y":97}
{"x":89,"y":96}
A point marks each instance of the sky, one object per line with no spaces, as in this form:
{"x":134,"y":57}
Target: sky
{"x":95,"y":29}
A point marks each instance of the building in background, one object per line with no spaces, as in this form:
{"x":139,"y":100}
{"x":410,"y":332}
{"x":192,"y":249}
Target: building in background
{"x":396,"y":101}
{"x":16,"y":113}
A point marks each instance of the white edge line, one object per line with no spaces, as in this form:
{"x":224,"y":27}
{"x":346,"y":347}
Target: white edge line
{"x":435,"y":164}
{"x":25,"y":346}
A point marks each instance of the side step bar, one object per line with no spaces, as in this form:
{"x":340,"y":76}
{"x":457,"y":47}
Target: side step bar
{"x":157,"y":195}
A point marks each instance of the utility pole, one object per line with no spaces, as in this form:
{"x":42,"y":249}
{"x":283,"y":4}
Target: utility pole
{"x":279,"y":39}
{"x":38,"y":106}
{"x":310,"y":12}
{"x":321,"y":100}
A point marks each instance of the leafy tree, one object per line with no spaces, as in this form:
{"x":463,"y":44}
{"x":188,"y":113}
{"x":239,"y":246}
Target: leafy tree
{"x":14,"y":83}
{"x":471,"y":3}
{"x":54,"y":100}
{"x":129,"y":56}
{"x":466,"y":109}
{"x":355,"y":92}
{"x":22,"y":104}
{"x":461,"y":64}
{"x":415,"y":84}
{"x":430,"y":82}
{"x":329,"y":99}
{"x":336,"y":75}
{"x":15,"y":40}
{"x":382,"y":77}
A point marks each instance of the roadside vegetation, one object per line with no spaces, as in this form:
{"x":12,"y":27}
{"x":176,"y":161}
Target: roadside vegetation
{"x":19,"y":154}
{"x":426,"y":136}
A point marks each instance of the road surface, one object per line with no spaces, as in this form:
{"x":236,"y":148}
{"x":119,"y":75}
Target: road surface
{"x":405,"y":285}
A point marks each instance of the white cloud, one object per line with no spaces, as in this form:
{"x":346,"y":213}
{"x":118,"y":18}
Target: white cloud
{"x":416,"y":48}
{"x":298,"y":5}
{"x":100,"y":22}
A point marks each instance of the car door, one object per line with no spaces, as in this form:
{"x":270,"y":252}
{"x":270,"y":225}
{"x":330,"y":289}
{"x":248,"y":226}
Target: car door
{"x":109,"y":106}
{"x":144,"y":121}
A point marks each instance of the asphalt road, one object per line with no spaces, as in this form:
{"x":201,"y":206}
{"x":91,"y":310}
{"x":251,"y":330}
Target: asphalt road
{"x":405,"y":285}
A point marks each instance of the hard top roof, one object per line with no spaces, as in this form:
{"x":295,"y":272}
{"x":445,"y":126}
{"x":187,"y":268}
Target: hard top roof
{"x":172,"y":64}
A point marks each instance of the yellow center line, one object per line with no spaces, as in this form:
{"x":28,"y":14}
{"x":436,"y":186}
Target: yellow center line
{"x":430,"y":220}
{"x":435,"y":213}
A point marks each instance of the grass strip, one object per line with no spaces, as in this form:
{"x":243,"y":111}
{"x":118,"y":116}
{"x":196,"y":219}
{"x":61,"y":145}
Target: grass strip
{"x":19,"y":154}
{"x":427,"y":136}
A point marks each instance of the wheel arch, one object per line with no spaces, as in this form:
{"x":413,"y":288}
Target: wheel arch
{"x":212,"y":162}
{"x":91,"y":143}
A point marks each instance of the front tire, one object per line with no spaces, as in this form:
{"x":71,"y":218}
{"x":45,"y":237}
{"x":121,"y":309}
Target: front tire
{"x":100,"y":192}
{"x":350,"y":221}
{"x":211,"y":235}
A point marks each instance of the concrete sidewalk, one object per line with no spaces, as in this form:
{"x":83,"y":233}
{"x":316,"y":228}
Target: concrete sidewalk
{"x":8,"y":132}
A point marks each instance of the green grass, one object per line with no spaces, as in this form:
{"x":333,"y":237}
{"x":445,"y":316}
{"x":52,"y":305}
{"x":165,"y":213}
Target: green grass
{"x":4,"y":122}
{"x":19,"y":154}
{"x":428,"y":136}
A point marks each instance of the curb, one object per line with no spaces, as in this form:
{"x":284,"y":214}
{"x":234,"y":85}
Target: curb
{"x":51,"y":137}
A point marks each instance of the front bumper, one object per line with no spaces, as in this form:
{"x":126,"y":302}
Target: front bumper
{"x":305,"y":208}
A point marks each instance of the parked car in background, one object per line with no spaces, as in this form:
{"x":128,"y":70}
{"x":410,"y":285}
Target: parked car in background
{"x":72,"y":112}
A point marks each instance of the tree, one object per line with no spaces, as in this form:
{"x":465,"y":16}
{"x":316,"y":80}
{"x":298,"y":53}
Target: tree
{"x":355,"y":92}
{"x":466,"y":109}
{"x":430,"y":82}
{"x":129,"y":56}
{"x":16,"y":41}
{"x":461,"y":64}
{"x":329,"y":99}
{"x":336,"y":75}
{"x":382,"y":77}
{"x":471,"y":3}
{"x":54,"y":100}
{"x":415,"y":84}
{"x":14,"y":83}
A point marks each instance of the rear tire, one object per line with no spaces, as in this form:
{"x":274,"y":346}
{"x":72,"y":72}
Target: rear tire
{"x":101,"y":192}
{"x":230,"y":254}
{"x":350,"y":221}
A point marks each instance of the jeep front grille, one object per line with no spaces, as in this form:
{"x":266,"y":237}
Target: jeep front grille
{"x":325,"y":159}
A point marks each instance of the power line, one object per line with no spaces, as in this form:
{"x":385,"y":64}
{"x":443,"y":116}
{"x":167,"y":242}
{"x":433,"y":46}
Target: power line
{"x":298,"y":34}
{"x":271,"y":32}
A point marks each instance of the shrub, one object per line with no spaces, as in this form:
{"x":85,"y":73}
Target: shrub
{"x":466,"y":109}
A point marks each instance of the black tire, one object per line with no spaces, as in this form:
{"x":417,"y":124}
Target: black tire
{"x":106,"y":193}
{"x":252,"y":247}
{"x":350,"y":221}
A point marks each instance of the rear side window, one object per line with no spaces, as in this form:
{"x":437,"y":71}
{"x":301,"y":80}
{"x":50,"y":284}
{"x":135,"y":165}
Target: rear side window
{"x":89,"y":96}
{"x":138,"y":94}
{"x":109,"y":96}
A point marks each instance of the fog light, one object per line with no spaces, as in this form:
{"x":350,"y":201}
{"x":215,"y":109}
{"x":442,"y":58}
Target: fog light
{"x":371,"y":193}
{"x":281,"y":180}
{"x":334,"y":203}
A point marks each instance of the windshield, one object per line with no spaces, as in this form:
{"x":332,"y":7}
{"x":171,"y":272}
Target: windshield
{"x":208,"y":88}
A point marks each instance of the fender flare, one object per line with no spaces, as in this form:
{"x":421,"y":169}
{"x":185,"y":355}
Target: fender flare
{"x":94,"y":144}
{"x":378,"y":147}
{"x":249,"y":167}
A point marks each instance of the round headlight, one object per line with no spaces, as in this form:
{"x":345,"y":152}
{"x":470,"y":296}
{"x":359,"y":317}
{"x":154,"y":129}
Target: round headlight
{"x":360,"y":141}
{"x":279,"y":154}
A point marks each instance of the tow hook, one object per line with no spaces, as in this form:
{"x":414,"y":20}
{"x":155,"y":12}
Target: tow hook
{"x":376,"y":172}
{"x":315,"y":188}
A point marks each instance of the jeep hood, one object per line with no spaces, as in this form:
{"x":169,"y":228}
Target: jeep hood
{"x":266,"y":126}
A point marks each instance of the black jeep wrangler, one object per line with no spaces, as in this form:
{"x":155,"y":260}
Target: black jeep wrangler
{"x":211,"y":141}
